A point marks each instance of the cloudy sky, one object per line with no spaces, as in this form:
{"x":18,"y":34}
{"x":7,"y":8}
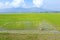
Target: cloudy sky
{"x":44,"y":4}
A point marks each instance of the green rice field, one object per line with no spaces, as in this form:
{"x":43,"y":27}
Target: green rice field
{"x":28,"y":21}
{"x":31,"y":21}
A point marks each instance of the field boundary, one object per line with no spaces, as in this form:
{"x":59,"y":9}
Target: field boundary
{"x":29,"y":32}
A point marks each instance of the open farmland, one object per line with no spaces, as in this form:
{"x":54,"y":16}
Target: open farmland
{"x":28,"y":21}
{"x":31,"y":21}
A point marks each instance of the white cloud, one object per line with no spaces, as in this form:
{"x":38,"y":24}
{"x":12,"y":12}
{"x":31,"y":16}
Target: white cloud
{"x":4,"y":5}
{"x":13,"y":4}
{"x":37,"y":3}
{"x":26,"y":5}
{"x":20,"y":3}
{"x":16,"y":3}
{"x":1,"y":5}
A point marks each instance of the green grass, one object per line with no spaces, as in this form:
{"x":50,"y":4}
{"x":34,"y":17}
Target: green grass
{"x":8,"y":36}
{"x":18,"y":21}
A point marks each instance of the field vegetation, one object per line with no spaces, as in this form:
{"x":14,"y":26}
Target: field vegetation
{"x":28,"y":20}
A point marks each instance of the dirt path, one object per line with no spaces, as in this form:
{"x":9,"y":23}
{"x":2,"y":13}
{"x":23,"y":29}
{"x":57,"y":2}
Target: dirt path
{"x":29,"y":32}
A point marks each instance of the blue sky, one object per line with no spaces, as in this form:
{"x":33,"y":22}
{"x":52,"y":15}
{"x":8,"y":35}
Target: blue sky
{"x":52,"y":5}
